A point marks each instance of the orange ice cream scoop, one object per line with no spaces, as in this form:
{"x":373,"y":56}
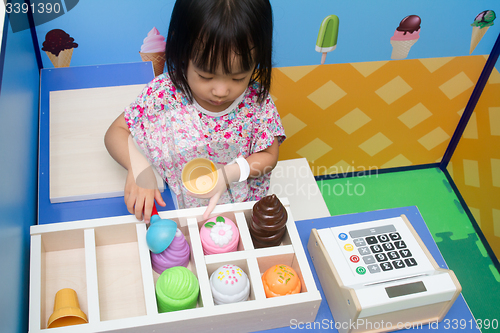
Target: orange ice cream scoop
{"x":280,"y":280}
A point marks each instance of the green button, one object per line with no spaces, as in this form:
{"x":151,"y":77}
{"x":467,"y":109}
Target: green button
{"x":360,"y":270}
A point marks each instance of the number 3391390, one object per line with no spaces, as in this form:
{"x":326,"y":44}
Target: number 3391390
{"x":40,"y":8}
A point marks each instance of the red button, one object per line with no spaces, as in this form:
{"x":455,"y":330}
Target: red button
{"x":354,"y":259}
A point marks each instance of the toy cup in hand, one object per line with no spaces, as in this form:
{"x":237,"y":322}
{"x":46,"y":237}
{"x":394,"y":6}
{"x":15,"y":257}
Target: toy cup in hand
{"x":199,"y":176}
{"x":66,"y":310}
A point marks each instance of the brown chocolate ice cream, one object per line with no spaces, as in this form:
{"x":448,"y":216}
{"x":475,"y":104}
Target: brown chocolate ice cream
{"x":58,"y":40}
{"x":268,"y":225}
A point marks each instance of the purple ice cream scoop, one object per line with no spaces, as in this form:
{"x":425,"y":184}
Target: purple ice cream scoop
{"x":176,"y":254}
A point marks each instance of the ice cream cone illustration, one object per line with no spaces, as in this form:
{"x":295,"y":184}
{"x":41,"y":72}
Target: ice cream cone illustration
{"x":481,"y":24}
{"x":406,"y":34}
{"x":58,"y":46}
{"x":327,"y":36}
{"x":153,"y":49}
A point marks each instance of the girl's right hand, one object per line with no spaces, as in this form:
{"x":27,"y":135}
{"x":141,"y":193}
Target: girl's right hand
{"x":140,"y":200}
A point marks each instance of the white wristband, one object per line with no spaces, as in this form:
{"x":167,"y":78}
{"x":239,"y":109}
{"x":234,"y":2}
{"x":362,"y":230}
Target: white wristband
{"x":244,"y":168}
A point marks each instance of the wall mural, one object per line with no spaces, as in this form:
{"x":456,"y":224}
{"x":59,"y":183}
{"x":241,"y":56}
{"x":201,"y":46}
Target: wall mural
{"x":327,"y":36}
{"x":59,"y":46}
{"x":406,"y":34}
{"x":481,"y":24}
{"x":153,"y":49}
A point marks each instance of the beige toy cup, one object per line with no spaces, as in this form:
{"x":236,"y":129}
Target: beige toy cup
{"x":199,"y":176}
{"x":66,"y":310}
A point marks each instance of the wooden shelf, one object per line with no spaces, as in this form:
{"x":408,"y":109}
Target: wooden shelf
{"x":107,"y":262}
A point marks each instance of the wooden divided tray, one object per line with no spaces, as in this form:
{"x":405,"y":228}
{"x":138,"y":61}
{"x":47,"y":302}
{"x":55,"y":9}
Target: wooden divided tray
{"x":107,"y":262}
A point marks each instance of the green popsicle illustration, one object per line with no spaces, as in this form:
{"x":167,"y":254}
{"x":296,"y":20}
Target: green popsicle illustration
{"x":327,"y":36}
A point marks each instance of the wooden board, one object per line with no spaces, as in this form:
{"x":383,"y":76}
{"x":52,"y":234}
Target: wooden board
{"x":80,"y":166}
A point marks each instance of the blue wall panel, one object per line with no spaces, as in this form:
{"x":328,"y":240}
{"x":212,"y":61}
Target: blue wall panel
{"x":18,"y":169}
{"x":112,"y":31}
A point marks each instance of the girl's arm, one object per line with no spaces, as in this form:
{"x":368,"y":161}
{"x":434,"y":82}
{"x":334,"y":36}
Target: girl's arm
{"x":138,"y":198}
{"x":264,"y":161}
{"x":260,"y":163}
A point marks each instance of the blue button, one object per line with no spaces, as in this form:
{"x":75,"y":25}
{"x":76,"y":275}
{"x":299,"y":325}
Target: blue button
{"x":343,"y":236}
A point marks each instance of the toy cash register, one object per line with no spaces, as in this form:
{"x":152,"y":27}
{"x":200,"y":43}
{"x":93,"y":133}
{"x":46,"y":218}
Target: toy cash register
{"x":378,"y":276}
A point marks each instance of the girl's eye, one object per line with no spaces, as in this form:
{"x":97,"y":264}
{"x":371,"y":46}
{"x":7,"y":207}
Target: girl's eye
{"x":204,"y":77}
{"x":239,"y":80}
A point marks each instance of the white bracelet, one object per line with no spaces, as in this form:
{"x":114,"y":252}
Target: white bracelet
{"x":244,"y":168}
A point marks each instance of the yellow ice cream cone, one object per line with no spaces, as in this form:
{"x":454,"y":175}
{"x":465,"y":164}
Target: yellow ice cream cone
{"x":158,"y":59}
{"x":61,"y":60}
{"x":477,"y":35}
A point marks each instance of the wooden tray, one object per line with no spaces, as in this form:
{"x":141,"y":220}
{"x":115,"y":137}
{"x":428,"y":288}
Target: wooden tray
{"x":107,"y":262}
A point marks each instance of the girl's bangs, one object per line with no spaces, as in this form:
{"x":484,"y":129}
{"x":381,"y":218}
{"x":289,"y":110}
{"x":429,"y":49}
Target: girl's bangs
{"x":222,"y":50}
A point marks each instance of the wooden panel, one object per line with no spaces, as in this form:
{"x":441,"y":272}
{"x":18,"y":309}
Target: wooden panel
{"x":80,"y":166}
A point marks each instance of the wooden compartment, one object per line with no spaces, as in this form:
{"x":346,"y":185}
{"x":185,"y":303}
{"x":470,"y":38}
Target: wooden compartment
{"x":61,"y":264}
{"x":119,"y":278}
{"x":109,"y":265}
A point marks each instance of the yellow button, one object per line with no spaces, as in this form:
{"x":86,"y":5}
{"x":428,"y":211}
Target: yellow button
{"x":348,"y":247}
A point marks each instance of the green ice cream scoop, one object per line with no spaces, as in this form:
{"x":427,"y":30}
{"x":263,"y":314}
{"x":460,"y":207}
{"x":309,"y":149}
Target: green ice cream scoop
{"x":484,"y":19}
{"x":177,"y":288}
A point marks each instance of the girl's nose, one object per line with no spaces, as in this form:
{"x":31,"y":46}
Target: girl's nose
{"x":220,"y":90}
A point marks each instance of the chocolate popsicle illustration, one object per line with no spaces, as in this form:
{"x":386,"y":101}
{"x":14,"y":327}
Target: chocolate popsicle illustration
{"x":327,"y":36}
{"x":481,"y":24}
{"x":406,"y":34}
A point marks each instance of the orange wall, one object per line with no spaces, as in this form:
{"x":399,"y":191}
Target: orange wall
{"x":475,"y":165}
{"x":373,"y":115}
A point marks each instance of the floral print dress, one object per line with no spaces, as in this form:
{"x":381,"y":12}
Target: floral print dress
{"x":171,"y":131}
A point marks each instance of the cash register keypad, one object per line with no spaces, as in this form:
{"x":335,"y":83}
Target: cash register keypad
{"x":376,"y":250}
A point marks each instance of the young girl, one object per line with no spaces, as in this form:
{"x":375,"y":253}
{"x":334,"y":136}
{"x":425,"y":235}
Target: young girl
{"x":212,"y":103}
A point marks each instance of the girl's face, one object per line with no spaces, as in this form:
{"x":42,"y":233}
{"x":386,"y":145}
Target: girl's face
{"x":217,"y":91}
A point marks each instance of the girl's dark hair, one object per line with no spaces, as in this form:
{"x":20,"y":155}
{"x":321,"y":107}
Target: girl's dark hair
{"x":210,"y":32}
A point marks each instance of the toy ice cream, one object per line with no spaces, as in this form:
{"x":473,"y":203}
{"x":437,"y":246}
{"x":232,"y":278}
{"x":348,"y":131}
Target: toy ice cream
{"x":153,"y":49}
{"x":219,"y":235}
{"x":481,"y":24}
{"x":67,"y":310}
{"x":406,"y":34}
{"x":176,"y":254}
{"x":161,"y":232}
{"x":229,"y":284}
{"x":177,"y":288}
{"x":268,"y":224}
{"x":280,"y":280}
{"x":327,"y":36}
{"x":58,"y":46}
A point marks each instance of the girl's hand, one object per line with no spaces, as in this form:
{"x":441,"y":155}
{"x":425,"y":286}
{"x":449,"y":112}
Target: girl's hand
{"x":140,"y":200}
{"x":232,"y":173}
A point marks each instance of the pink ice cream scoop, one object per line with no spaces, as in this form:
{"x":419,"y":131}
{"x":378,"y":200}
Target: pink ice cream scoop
{"x":219,"y":235}
{"x":154,"y":42}
{"x":403,"y":35}
{"x":176,"y":254}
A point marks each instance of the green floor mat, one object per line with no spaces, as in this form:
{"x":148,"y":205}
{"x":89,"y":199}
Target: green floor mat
{"x":430,"y":191}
